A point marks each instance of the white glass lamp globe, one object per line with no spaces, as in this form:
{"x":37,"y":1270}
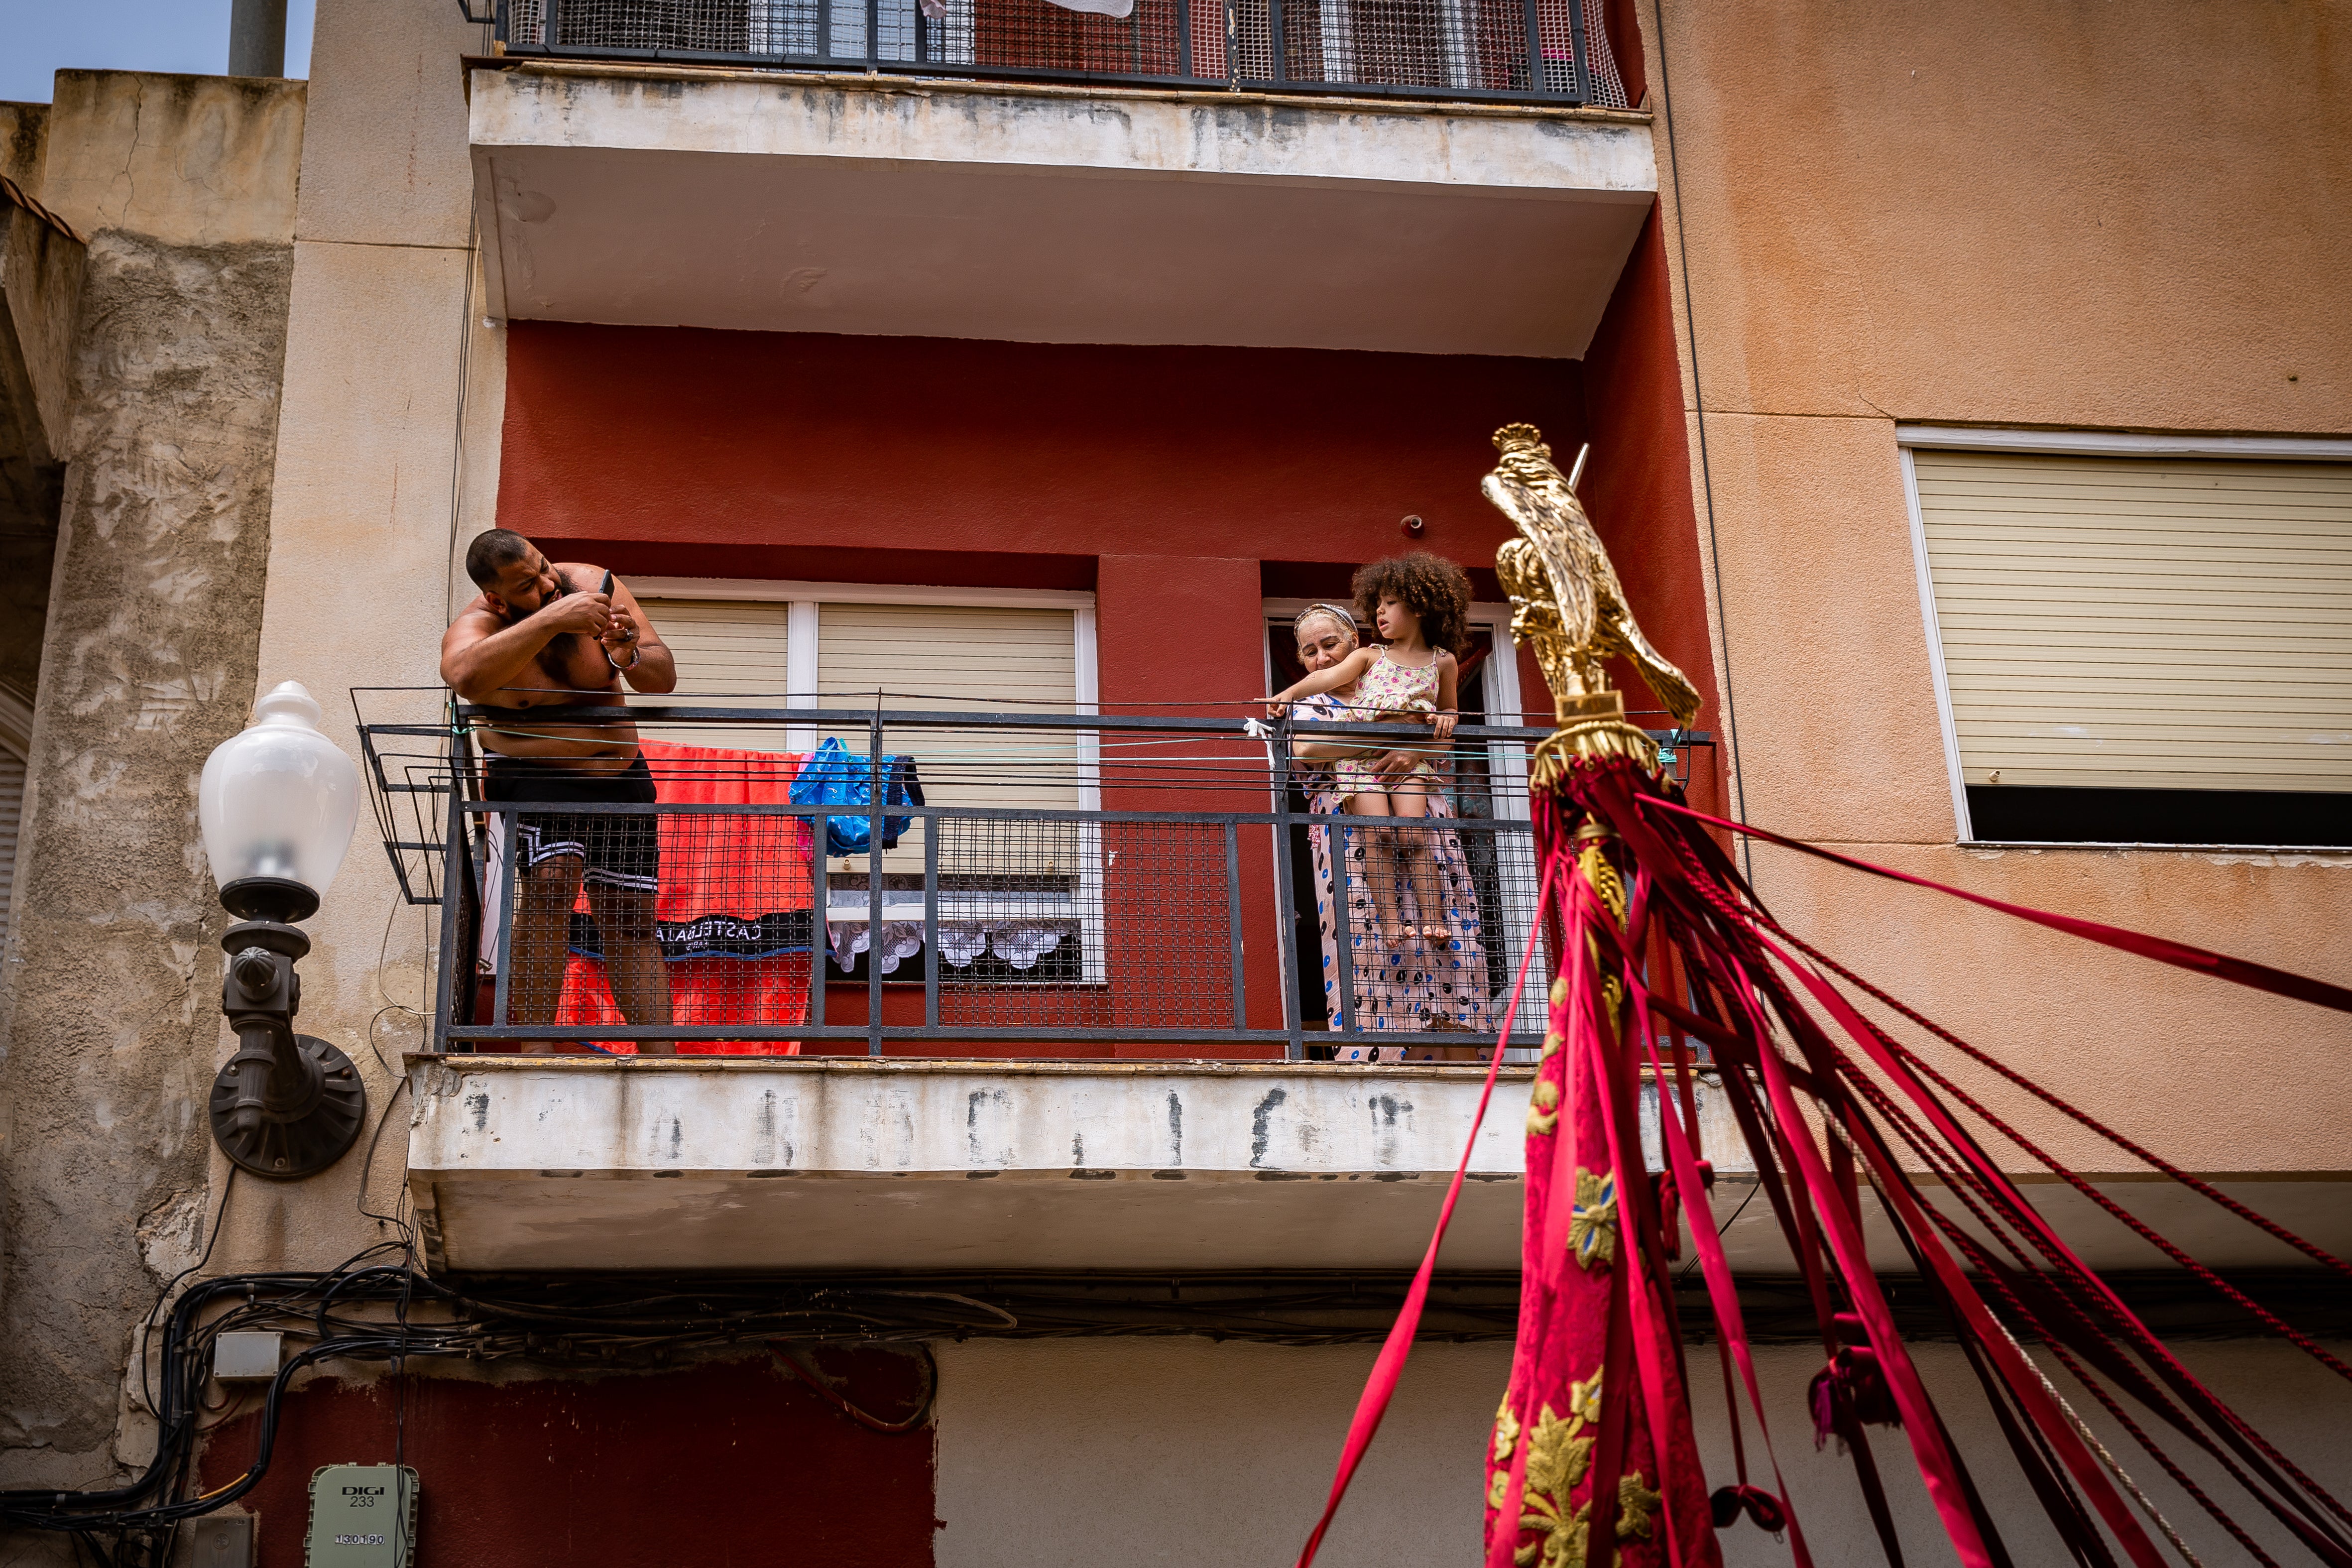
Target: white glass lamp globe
{"x":278,"y":798}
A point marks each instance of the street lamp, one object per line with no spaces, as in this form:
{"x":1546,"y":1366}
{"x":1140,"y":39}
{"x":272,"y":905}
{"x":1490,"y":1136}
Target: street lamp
{"x":276,"y":804}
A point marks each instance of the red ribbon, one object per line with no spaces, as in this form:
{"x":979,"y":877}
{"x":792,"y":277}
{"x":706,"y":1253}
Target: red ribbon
{"x":1381,"y":1385}
{"x":2260,"y":976}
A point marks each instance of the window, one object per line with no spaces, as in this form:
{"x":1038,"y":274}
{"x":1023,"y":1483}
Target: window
{"x":1489,"y":780}
{"x":2139,"y":641}
{"x":1008,"y":889}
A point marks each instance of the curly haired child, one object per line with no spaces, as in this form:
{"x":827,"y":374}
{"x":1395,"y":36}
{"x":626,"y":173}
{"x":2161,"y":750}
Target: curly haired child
{"x":1421,"y":603}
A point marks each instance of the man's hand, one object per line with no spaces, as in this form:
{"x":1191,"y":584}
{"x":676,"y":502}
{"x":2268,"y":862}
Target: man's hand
{"x":1396,"y":764}
{"x":589,"y":613}
{"x":621,"y":638}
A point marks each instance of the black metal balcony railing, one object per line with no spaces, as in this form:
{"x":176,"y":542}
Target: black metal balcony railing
{"x":1551,"y":51}
{"x":1049,"y":882}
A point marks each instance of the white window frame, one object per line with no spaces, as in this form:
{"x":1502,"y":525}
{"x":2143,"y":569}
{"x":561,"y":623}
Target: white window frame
{"x":1911,"y":438}
{"x":801,"y":673}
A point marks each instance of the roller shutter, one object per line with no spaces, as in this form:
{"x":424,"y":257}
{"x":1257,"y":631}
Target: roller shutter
{"x":730,"y":653}
{"x":2142,"y":623}
{"x":968,"y":660}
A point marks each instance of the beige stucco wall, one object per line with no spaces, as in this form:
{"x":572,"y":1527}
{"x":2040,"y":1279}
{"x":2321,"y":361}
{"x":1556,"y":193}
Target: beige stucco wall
{"x":2103,"y":217}
{"x":393,"y":383}
{"x":108,"y":1032}
{"x":1218,"y":1456}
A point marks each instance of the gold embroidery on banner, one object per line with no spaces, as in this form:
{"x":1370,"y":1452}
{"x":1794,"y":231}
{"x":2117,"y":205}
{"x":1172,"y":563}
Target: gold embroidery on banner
{"x":1593,"y":1222}
{"x":1594,"y":865}
{"x":1604,"y":877}
{"x":1507,"y":1432}
{"x":1635,"y":1505}
{"x":1560,"y":1456}
{"x":1543,"y":1108}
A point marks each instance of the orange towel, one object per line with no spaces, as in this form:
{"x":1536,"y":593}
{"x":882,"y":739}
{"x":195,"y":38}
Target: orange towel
{"x":733,"y":911}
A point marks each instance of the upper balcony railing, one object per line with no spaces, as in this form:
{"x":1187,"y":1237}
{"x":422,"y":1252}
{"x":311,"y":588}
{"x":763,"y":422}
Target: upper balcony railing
{"x":1035,"y":884}
{"x":1543,"y":51}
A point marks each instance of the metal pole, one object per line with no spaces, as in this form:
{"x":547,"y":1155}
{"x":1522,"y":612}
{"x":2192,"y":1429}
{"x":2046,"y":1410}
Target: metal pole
{"x":456,"y":861}
{"x":1343,"y":916}
{"x":1535,"y":50}
{"x":1233,"y":922}
{"x":1274,"y":39}
{"x":256,"y":38}
{"x":1183,"y":38}
{"x":931,"y":922}
{"x":508,"y":898}
{"x":877,"y":786}
{"x":1583,"y":90}
{"x":820,"y":920}
{"x":1286,"y":922}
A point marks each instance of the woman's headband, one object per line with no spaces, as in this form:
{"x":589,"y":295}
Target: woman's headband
{"x":1334,"y":611}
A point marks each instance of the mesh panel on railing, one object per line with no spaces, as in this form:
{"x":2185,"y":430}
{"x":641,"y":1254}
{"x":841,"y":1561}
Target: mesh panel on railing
{"x":1085,"y":925}
{"x":705,"y":921}
{"x":1460,"y":46}
{"x":1087,"y":883}
{"x":697,"y":920}
{"x":1432,"y":923}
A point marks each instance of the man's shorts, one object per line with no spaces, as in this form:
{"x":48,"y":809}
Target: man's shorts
{"x":619,"y":850}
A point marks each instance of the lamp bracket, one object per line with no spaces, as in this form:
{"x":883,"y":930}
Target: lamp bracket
{"x":280,"y":899}
{"x":303,"y":1139}
{"x":285,"y":1105}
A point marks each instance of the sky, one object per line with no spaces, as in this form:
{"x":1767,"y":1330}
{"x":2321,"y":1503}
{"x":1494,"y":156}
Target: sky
{"x":40,"y":38}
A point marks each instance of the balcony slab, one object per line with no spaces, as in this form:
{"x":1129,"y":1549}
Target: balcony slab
{"x":783,"y":1164}
{"x":921,"y":207}
{"x":816,"y":1164}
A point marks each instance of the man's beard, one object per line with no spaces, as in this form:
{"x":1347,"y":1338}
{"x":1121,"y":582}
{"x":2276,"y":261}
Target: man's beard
{"x":562,"y":590}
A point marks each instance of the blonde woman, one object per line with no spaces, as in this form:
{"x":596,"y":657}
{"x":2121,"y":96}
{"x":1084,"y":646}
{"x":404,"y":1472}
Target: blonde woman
{"x":1402,"y":980}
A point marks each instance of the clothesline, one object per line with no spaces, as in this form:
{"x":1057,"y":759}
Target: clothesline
{"x":1048,"y":704}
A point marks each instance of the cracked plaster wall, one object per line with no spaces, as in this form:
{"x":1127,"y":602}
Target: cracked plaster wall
{"x":109,"y":1022}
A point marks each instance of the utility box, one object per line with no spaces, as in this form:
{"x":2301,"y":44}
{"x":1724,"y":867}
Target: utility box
{"x":248,"y":1355}
{"x":362,"y":1516}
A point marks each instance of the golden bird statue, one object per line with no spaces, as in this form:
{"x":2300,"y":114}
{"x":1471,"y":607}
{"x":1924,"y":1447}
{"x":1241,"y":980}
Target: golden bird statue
{"x":1568,"y":606}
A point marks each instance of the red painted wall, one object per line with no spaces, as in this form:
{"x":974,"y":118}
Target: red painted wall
{"x":1623,"y":24}
{"x":1637,"y":489}
{"x":731,"y":1464}
{"x":1180,"y":484}
{"x":926,"y":460}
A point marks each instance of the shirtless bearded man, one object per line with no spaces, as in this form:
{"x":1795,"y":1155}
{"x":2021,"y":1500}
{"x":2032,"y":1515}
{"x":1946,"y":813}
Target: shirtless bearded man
{"x":540,"y":635}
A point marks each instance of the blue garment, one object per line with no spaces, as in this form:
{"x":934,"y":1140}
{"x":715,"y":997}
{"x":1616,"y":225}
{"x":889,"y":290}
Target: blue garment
{"x":835,"y":776}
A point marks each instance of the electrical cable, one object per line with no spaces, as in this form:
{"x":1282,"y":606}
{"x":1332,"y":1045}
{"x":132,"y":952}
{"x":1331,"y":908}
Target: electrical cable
{"x":147,"y":1324}
{"x":923,"y":1404}
{"x":362,"y":1312}
{"x":367,"y":1168}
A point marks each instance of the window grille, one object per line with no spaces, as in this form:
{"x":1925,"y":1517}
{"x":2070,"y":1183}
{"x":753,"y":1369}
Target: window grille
{"x":1419,"y":48}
